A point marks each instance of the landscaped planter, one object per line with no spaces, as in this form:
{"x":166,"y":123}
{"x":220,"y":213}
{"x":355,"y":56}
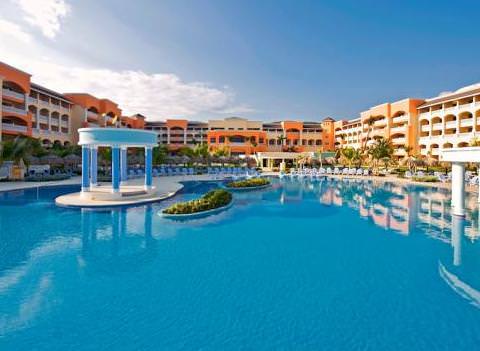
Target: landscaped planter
{"x":250,"y":184}
{"x":211,"y":203}
{"x":197,"y":214}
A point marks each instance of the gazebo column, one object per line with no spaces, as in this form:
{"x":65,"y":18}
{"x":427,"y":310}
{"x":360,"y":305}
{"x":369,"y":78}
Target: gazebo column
{"x":93,"y":166}
{"x":458,"y":189}
{"x":148,"y":167}
{"x":458,"y":230}
{"x":115,"y":169}
{"x":85,"y":168}
{"x":123,"y":165}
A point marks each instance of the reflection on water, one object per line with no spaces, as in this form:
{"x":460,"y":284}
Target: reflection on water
{"x":110,"y":243}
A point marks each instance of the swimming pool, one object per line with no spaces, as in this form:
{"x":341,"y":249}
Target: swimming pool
{"x":330,"y":265}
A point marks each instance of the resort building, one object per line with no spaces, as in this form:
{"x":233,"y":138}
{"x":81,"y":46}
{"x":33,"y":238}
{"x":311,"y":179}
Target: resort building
{"x":241,"y":136}
{"x":35,"y":111}
{"x":449,"y":120}
{"x":397,"y":121}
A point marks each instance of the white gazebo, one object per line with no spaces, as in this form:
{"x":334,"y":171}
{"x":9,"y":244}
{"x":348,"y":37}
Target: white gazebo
{"x":458,"y":157}
{"x":120,"y":192}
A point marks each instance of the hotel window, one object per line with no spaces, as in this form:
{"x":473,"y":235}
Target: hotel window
{"x":221,"y":140}
{"x":212,"y":140}
{"x":260,"y":141}
{"x":271,"y":142}
{"x":318,"y":142}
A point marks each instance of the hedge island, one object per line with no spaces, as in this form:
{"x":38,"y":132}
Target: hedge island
{"x":249,"y":183}
{"x":212,"y":200}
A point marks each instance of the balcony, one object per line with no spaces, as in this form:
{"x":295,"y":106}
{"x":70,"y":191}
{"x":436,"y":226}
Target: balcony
{"x":13,"y":94}
{"x":466,"y":122}
{"x":14,"y":127}
{"x":451,"y":125}
{"x":399,"y":152}
{"x":425,"y":128}
{"x":44,"y":103}
{"x":92,"y":115}
{"x":380,"y":123}
{"x":400,"y":119}
{"x":32,"y":100}
{"x":43,"y":119}
{"x":399,"y":141}
{"x":400,"y":129}
{"x":437,"y":126}
{"x":424,"y":115}
{"x":450,"y":109}
{"x":15,"y":110}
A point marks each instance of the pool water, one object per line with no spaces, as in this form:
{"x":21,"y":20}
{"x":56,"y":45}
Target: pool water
{"x":324,"y":265}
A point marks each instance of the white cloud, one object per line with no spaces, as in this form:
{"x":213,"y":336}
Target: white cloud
{"x":44,"y":14}
{"x":157,"y":96}
{"x":13,"y":32}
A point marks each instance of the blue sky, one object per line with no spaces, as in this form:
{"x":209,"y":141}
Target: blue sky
{"x":269,"y":60}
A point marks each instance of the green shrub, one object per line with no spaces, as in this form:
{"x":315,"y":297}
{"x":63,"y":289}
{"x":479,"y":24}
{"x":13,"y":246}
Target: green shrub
{"x":428,"y":179}
{"x":211,"y":200}
{"x":248,"y":183}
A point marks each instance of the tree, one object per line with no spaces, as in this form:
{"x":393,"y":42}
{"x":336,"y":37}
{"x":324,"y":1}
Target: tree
{"x":159,"y":154}
{"x":105,"y":154}
{"x":382,"y":150}
{"x":351,"y":155}
{"x":370,"y":121}
{"x":15,"y":150}
{"x":281,"y":139}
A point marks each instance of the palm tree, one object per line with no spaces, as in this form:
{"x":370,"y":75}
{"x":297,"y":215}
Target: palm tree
{"x":370,"y":121}
{"x":15,"y":150}
{"x":382,"y":150}
{"x":350,"y":154}
{"x":281,"y":139}
{"x":160,"y":154}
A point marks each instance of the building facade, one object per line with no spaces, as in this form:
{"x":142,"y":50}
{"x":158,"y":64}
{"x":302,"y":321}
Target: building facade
{"x":240,"y":136}
{"x":449,"y":120}
{"x":31,"y":110}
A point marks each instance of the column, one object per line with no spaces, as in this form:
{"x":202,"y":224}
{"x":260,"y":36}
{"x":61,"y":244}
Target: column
{"x":478,"y":173}
{"x":115,"y":169}
{"x":123,"y":165}
{"x":148,"y":167}
{"x":85,"y":168}
{"x":168,"y":135}
{"x":185,"y":136}
{"x":93,"y":166}
{"x":458,"y":189}
{"x":458,"y":230}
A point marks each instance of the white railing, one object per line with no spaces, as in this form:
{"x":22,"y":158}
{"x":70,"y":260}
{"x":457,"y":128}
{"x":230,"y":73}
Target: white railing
{"x":92,"y":114}
{"x":12,"y":109}
{"x":402,"y":118}
{"x":399,"y":140}
{"x":450,"y":109}
{"x":466,"y":122}
{"x":14,"y":127}
{"x":32,"y":100}
{"x":426,"y":128}
{"x":397,"y":129}
{"x":14,"y":94}
{"x":44,"y":103}
{"x":43,"y":119}
{"x":451,"y":124}
{"x":437,"y":126}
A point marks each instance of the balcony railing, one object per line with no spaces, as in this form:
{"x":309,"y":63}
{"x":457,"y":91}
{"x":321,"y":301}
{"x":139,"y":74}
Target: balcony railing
{"x":451,"y":125}
{"x":14,"y":94}
{"x":43,"y":119}
{"x":14,"y":127}
{"x":466,"y":122}
{"x":32,"y":100}
{"x":399,"y":119}
{"x":397,"y":129}
{"x":16,"y":110}
{"x":399,"y":140}
{"x":425,"y":128}
{"x":92,"y":115}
